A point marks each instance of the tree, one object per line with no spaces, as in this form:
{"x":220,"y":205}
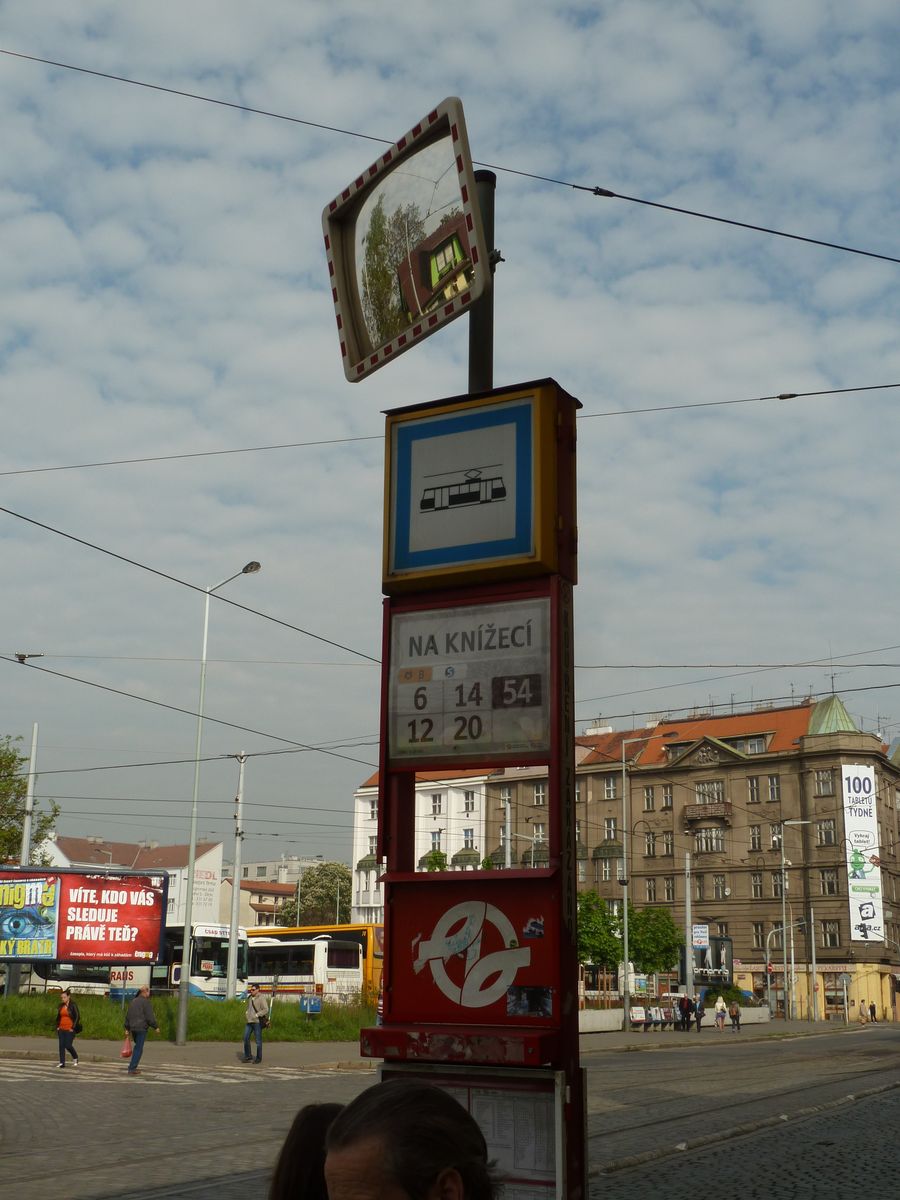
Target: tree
{"x":387,"y":241}
{"x":326,"y":892}
{"x":598,"y":935}
{"x":435,"y":860}
{"x":654,"y":940}
{"x":13,"y":793}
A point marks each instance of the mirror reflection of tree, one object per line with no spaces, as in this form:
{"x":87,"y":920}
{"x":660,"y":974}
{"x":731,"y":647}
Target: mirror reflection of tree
{"x":387,"y":242}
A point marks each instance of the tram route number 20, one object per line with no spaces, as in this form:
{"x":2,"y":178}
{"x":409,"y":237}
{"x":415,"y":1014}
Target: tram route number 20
{"x":461,"y":700}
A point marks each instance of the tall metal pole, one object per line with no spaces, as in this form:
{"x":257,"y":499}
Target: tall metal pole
{"x":793,"y":965}
{"x":688,"y":928}
{"x":481,"y":316}
{"x":626,"y":987}
{"x":25,"y":851}
{"x":231,"y":980}
{"x":184,"y":983}
{"x":508,"y":847}
{"x":814,"y":996}
{"x":784,"y":945}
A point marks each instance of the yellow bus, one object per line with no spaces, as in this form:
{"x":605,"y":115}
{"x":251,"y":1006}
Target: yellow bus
{"x":369,"y":937}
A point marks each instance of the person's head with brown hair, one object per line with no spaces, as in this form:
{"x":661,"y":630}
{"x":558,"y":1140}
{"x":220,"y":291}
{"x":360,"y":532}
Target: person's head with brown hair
{"x":404,"y":1139}
{"x":299,"y":1172}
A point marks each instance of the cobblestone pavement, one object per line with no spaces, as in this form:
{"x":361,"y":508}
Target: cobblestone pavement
{"x":847,"y":1150}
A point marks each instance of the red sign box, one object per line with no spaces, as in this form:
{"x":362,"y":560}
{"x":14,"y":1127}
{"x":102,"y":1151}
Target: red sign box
{"x":462,"y":955}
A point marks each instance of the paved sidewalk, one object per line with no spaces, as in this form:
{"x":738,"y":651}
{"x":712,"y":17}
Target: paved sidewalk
{"x":345,"y":1055}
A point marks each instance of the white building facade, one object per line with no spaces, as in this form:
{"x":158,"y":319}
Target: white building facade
{"x":450,"y":817}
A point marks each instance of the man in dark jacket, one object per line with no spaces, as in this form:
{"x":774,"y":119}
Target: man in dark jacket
{"x":139,"y":1018}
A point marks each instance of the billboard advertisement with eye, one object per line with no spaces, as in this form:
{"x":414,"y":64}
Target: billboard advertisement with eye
{"x":78,"y":916}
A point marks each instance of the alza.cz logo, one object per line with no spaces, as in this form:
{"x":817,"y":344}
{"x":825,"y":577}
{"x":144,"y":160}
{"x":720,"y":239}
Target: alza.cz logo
{"x":467,"y":970}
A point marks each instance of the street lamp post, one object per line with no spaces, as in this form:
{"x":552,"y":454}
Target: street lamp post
{"x":231,"y":968}
{"x":528,"y":837}
{"x":183,"y":984}
{"x":788,"y":1011}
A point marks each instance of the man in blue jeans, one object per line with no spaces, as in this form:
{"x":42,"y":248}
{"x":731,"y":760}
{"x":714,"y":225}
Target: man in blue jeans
{"x":257,"y":1017}
{"x":139,"y":1018}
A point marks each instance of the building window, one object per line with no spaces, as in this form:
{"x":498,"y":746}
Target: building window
{"x":540,"y":831}
{"x":577,"y":791}
{"x":669,"y":885}
{"x":577,"y":831}
{"x":753,"y":789}
{"x":615,"y":907}
{"x":373,"y":844}
{"x":719,"y":888}
{"x":710,"y":791}
{"x":505,"y":794}
{"x":756,"y":885}
{"x":540,"y":793}
{"x":373,"y":808}
{"x":774,"y":787}
{"x":824,"y":783}
{"x":261,"y":872}
{"x":650,"y":845}
{"x":775,"y":836}
{"x":759,"y":935}
{"x":606,"y":869}
{"x":698,"y":887}
{"x":649,"y":802}
{"x":469,"y":802}
{"x":777,"y":884}
{"x":245,"y":872}
{"x":468,"y":839}
{"x":436,"y":839}
{"x":437,"y":804}
{"x":609,"y":829}
{"x":668,"y":843}
{"x":582,"y":871}
{"x":722,"y":929}
{"x":709,"y":841}
{"x":825,"y":832}
{"x":778,"y":939}
{"x":756,"y":837}
{"x":828,"y":882}
{"x":831,"y":934}
{"x":667,"y":795}
{"x":609,"y":787}
{"x":650,"y":890}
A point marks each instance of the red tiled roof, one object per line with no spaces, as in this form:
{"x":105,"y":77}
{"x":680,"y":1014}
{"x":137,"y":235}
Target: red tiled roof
{"x":435,"y":776}
{"x":782,"y":727}
{"x":83,"y":853}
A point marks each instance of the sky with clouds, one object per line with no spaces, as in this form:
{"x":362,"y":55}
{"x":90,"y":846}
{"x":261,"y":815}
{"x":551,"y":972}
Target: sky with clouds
{"x":165,"y":295}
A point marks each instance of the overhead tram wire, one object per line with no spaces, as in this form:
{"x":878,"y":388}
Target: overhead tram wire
{"x":103,"y":687}
{"x":592,"y":189}
{"x":582,"y":416}
{"x":184,"y":583}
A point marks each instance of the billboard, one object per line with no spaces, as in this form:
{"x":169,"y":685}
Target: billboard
{"x":81,"y":916}
{"x":862,"y":853}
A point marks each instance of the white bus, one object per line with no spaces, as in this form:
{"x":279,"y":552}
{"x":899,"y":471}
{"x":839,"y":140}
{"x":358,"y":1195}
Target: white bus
{"x":290,"y":968}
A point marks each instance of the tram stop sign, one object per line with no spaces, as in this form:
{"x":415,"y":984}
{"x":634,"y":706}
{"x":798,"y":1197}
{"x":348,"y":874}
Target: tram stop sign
{"x":405,"y":245}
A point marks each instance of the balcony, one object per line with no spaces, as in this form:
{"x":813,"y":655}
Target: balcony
{"x":705,"y":812}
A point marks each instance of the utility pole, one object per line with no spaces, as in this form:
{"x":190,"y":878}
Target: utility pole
{"x":231,"y":975}
{"x":14,"y":970}
{"x":688,"y":928}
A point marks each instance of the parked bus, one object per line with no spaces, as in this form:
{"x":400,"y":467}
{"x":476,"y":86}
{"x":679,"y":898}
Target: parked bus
{"x":369,"y":937}
{"x":209,"y":961}
{"x":290,"y":968}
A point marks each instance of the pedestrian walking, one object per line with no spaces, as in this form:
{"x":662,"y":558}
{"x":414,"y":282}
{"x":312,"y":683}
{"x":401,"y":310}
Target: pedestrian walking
{"x":68,"y":1024}
{"x":139,"y":1018}
{"x":257,"y":1019}
{"x":684,"y":1009}
{"x":873,"y":1013}
{"x":720,"y":1010}
{"x":734,"y":1011}
{"x":699,"y":1012}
